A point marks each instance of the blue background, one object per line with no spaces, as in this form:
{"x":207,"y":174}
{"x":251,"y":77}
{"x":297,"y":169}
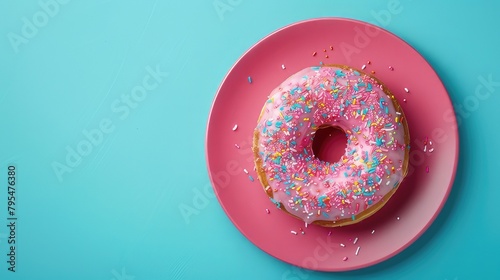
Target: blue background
{"x":115,"y":213}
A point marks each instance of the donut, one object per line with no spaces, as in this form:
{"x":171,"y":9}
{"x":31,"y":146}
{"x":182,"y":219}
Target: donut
{"x":376,"y":155}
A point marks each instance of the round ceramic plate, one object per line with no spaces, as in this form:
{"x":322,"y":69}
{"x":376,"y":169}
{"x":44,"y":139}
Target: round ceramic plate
{"x":433,"y":154}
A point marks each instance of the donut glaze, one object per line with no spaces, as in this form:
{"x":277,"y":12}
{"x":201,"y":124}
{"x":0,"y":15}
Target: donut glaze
{"x":375,"y":159}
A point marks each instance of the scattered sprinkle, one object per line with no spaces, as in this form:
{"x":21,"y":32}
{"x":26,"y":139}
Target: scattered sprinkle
{"x":293,"y":232}
{"x":249,"y":79}
{"x":368,"y":62}
{"x":267,"y":211}
{"x":235,"y":127}
{"x":251,"y":178}
{"x":245,"y":170}
{"x":345,"y":258}
{"x":283,"y":66}
{"x":397,"y":218}
{"x":373,"y":231}
{"x":363,"y":67}
{"x":404,"y":100}
{"x":431,"y":150}
{"x":407,"y":90}
{"x":355,"y":240}
{"x":391,"y":68}
{"x":331,"y":48}
{"x":373,"y":72}
{"x":326,"y":56}
{"x":427,"y":169}
{"x":329,"y":233}
{"x":357,"y":250}
{"x":342,"y":245}
{"x":237,"y":146}
{"x":315,"y":53}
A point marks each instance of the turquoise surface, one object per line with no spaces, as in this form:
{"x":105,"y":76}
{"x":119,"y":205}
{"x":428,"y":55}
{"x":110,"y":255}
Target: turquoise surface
{"x":103,"y":111}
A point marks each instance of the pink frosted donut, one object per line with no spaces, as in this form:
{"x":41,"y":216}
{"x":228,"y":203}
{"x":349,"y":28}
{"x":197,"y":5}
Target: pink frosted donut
{"x":375,"y":159}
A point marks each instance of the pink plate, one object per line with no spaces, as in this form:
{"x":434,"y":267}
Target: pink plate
{"x":430,"y":117}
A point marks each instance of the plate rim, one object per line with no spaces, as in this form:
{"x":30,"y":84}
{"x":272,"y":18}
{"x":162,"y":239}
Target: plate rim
{"x":456,"y":137}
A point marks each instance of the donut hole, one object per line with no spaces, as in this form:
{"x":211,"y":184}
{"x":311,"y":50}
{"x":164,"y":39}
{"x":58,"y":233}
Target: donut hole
{"x":329,"y":143}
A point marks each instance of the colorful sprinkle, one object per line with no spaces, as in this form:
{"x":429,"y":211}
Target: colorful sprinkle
{"x":391,"y":68}
{"x":373,"y":231}
{"x":237,"y":146}
{"x":251,"y":178}
{"x":293,"y":232}
{"x":235,"y":127}
{"x":294,"y":113}
{"x":345,"y":258}
{"x":315,"y":53}
{"x":283,"y":66}
{"x":363,"y":67}
{"x":357,"y":250}
{"x":268,"y":211}
{"x":249,"y":79}
{"x":407,"y":90}
{"x":355,"y":240}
